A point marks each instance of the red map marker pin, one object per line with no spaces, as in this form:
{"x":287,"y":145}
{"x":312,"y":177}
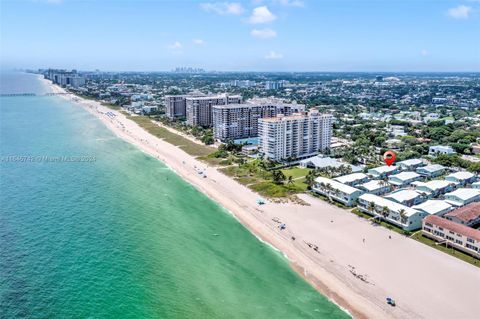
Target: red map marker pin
{"x":389,"y":157}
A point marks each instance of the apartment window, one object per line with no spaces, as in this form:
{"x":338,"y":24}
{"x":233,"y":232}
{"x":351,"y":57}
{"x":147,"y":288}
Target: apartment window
{"x":471,"y":247}
{"x":470,"y":240}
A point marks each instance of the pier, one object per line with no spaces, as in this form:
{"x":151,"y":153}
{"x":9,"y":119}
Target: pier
{"x":30,"y":94}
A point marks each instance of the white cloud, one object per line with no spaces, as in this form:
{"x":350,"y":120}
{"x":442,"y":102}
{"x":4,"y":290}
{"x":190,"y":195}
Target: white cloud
{"x":223,"y":8}
{"x":261,"y":15}
{"x":272,"y":55}
{"x":424,"y":52}
{"x":49,"y":1}
{"x":263,"y":33}
{"x":460,"y":12}
{"x":175,"y":45}
{"x":198,"y":41}
{"x":291,"y":3}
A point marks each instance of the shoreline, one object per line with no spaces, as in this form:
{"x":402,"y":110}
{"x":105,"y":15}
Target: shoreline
{"x":332,"y":269}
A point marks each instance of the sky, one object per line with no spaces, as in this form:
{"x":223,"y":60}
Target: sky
{"x":253,"y":35}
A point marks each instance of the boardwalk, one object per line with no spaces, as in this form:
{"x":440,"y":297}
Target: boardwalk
{"x":30,"y":94}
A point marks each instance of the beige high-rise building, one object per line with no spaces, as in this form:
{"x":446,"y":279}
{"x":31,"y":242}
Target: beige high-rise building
{"x":199,"y":109}
{"x":295,"y":136}
{"x":175,"y":105}
{"x":236,"y":121}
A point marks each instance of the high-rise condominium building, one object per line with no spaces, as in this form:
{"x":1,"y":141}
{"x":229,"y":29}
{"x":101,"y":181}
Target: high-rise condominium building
{"x":273,"y":85}
{"x":199,"y":109}
{"x":295,"y":136}
{"x":237,"y":121}
{"x":175,"y":105}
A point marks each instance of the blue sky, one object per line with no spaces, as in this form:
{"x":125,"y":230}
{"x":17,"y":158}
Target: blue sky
{"x":254,"y":35}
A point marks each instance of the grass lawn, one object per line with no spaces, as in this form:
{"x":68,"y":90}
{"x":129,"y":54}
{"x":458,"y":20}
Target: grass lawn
{"x":394,"y":228}
{"x":451,"y":251}
{"x":300,"y":184}
{"x":188,"y":146}
{"x":247,"y":180}
{"x":112,"y":106}
{"x":270,"y":189}
{"x":295,"y":172}
{"x":358,"y":212}
{"x":261,"y":182}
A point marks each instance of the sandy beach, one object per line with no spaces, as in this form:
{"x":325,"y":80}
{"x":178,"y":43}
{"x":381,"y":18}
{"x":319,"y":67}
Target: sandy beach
{"x":328,"y":249}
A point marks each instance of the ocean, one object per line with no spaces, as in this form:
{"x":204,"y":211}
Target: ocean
{"x":91,"y":227}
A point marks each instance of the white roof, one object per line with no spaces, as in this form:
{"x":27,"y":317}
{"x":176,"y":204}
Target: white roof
{"x":464,"y":193}
{"x":460,"y":175}
{"x":383,"y":169}
{"x":403,"y":195}
{"x":380,"y":201}
{"x":350,"y":178}
{"x":318,"y":161}
{"x":405,"y":176}
{"x":337,"y":185}
{"x":434,"y":185}
{"x":433,"y":206}
{"x":373,"y":185}
{"x":432,"y":168}
{"x":410,"y":162}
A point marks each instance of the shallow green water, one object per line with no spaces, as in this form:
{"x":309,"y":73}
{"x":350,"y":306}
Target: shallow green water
{"x":123,"y":236}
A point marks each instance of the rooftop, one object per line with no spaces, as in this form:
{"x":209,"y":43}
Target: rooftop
{"x":458,"y":228}
{"x":350,"y":178}
{"x":410,"y":162}
{"x":433,"y":206}
{"x":383,"y":169}
{"x":434,"y":185}
{"x":432,"y":168}
{"x":319,"y":161}
{"x":466,"y":213}
{"x":464,"y":193}
{"x":393,"y":206}
{"x":461,"y":175}
{"x":404,"y":176}
{"x":337,"y":185}
{"x":373,"y":185}
{"x":403,"y":195}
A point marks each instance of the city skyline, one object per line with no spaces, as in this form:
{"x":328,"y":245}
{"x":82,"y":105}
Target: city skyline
{"x":275,"y":35}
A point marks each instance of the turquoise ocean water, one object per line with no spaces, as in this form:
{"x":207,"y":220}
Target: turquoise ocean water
{"x":121,"y":236}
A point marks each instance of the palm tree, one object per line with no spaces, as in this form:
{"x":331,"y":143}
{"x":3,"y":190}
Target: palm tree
{"x":329,"y":189}
{"x":403,"y":216}
{"x":371,"y":208}
{"x":290,"y":180}
{"x":278,"y":177}
{"x":385,"y":212}
{"x":310,"y":179}
{"x":322,"y":186}
{"x":336,"y":192}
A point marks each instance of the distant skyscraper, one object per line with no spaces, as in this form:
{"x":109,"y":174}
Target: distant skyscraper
{"x":295,"y":136}
{"x":65,"y":78}
{"x":273,"y":85}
